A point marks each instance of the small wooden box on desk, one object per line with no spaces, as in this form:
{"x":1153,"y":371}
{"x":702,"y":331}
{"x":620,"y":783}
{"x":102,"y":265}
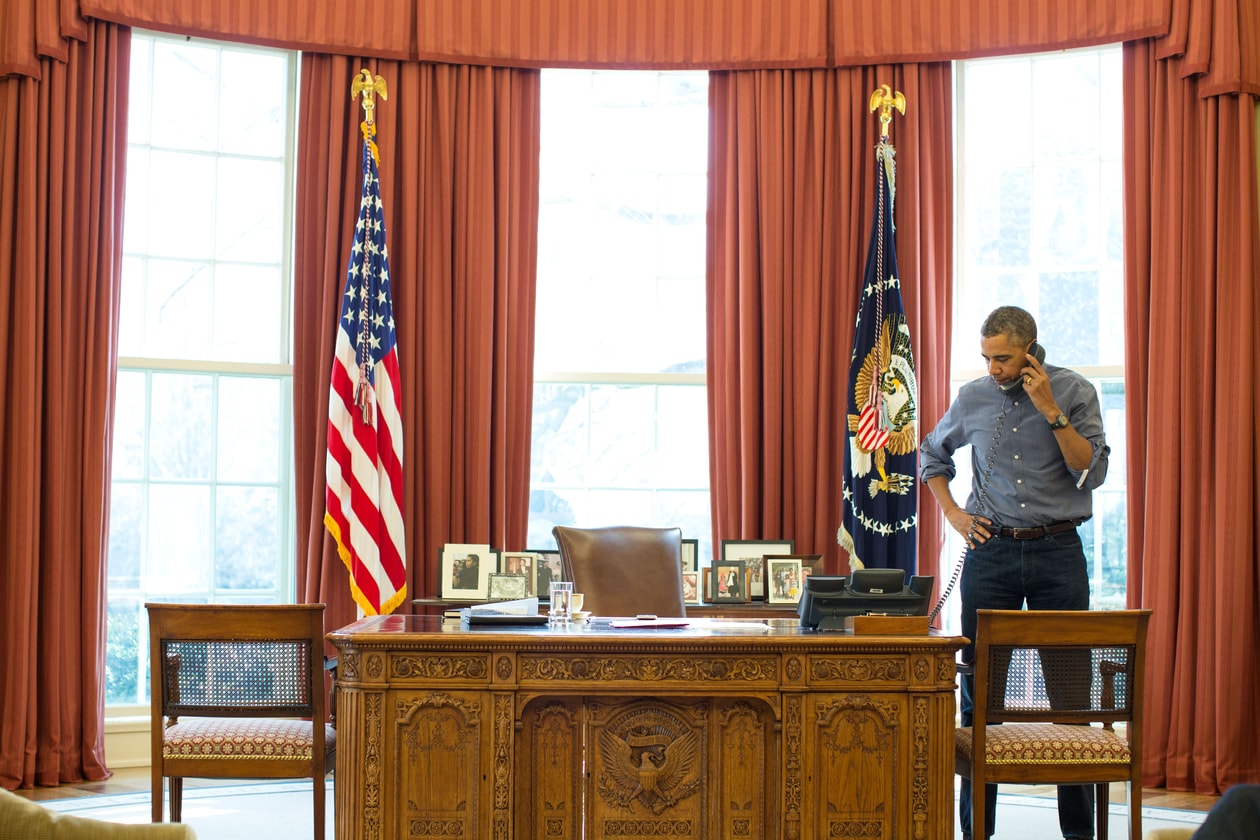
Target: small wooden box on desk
{"x":887,"y":625}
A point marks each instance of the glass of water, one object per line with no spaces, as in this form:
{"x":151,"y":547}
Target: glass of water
{"x":561,"y":602}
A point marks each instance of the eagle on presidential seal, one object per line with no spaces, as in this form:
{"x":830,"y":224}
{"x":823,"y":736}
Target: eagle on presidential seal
{"x":649,"y":764}
{"x":884,"y":392}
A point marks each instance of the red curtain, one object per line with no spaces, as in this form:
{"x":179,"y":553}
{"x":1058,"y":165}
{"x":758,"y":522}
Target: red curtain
{"x":1192,"y":264}
{"x":61,"y":172}
{"x":792,"y":175}
{"x":459,"y":174}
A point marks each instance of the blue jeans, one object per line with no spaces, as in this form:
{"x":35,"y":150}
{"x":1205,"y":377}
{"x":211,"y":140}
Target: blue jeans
{"x":1234,"y":817}
{"x":1007,"y":574}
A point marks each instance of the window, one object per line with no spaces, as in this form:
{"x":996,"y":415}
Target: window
{"x":620,"y":408}
{"x":1040,"y":225}
{"x":202,"y":482}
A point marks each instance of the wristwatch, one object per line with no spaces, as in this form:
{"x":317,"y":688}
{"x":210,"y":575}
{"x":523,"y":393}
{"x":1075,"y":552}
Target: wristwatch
{"x":1060,"y":422}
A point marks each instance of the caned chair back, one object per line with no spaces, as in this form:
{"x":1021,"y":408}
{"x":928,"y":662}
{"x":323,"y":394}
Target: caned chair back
{"x":624,"y":570}
{"x":1058,"y":682}
{"x":238,"y":692}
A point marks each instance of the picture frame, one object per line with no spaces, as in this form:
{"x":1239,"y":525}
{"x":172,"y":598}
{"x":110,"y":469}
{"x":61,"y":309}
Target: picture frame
{"x":753,"y":553}
{"x":783,"y":580}
{"x":521,"y":563}
{"x":811,"y":564}
{"x":464,"y":571}
{"x":730,"y":582}
{"x":690,"y":555}
{"x":507,"y":587}
{"x":547,"y":567}
{"x":691,"y":588}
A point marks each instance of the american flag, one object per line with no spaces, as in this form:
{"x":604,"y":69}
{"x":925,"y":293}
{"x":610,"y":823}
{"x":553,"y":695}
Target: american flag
{"x":879,"y":521}
{"x":365,"y":451}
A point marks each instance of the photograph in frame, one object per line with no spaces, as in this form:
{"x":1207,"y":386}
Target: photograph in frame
{"x":811,"y":564}
{"x":521,"y":563}
{"x":465,"y":571}
{"x":730,"y":582}
{"x":691,"y":588}
{"x":547,"y":567}
{"x":753,"y":553}
{"x":783,"y":580}
{"x":507,"y":587}
{"x":690,"y":555}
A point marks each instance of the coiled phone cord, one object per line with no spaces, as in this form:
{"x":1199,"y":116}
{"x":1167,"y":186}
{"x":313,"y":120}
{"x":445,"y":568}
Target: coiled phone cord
{"x":975,"y":517}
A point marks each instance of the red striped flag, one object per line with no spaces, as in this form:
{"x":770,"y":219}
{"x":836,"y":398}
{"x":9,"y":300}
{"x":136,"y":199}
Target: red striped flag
{"x":365,"y":452}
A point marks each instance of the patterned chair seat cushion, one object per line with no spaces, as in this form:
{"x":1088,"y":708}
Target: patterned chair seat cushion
{"x":1045,"y":743}
{"x":243,"y":738}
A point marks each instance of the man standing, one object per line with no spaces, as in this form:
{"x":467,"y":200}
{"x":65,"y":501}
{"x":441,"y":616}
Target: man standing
{"x":1037,"y":453}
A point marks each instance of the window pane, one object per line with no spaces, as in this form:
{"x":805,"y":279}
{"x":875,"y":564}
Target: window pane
{"x":184,"y":99}
{"x":177,"y":297}
{"x":257,"y":125}
{"x":248,"y":314}
{"x":126,"y":528}
{"x":181,"y":205}
{"x":247,"y":539}
{"x":180,"y":426}
{"x":129,"y":415}
{"x":179,"y":540}
{"x":250,"y":218}
{"x":249,"y":429}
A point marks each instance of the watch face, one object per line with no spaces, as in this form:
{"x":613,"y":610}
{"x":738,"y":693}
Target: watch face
{"x":1059,"y":422}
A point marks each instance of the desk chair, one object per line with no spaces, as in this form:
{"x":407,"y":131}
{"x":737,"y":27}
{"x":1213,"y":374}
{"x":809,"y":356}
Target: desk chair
{"x":235,"y":691}
{"x":625,"y":570}
{"x":1048,"y":675}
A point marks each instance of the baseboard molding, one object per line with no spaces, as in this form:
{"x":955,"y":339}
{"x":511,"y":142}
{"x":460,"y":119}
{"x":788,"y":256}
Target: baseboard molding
{"x":127,"y":741}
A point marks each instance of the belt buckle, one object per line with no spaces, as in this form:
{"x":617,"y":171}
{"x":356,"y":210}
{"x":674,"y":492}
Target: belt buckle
{"x":1028,"y":533}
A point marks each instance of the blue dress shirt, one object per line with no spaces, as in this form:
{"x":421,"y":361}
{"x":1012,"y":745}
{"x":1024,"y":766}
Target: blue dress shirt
{"x":1029,"y":484}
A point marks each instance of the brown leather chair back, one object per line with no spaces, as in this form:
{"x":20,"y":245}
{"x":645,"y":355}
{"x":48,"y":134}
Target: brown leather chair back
{"x":624,"y":570}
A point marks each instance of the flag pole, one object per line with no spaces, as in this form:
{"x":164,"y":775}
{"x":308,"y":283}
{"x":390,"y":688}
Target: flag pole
{"x":880,"y":512}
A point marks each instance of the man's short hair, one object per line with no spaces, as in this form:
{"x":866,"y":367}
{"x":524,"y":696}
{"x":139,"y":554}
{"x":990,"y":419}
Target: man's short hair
{"x":1010,"y":321}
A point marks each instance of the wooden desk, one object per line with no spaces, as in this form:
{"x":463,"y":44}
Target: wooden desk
{"x":725,"y":728}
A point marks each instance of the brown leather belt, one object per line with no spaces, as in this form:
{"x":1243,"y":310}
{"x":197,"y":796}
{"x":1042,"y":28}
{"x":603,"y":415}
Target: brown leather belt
{"x":1037,"y":532}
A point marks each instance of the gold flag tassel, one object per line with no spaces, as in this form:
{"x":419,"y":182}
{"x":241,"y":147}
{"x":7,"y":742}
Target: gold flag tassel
{"x":367,"y":86}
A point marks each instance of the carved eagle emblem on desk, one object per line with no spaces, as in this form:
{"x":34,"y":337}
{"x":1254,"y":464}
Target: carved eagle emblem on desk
{"x":652,"y":767}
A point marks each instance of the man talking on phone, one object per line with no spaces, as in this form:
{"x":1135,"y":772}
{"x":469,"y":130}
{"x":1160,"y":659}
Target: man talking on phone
{"x":1037,"y":453}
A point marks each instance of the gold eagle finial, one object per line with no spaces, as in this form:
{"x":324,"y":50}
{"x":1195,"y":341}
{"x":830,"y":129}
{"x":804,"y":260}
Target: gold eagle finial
{"x":367,"y":86}
{"x":885,"y":100}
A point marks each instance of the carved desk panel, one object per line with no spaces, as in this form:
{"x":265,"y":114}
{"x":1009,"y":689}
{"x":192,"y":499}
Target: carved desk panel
{"x":725,"y":728}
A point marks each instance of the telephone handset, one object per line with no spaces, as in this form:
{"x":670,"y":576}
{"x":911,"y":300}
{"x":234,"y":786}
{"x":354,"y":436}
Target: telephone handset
{"x":1037,"y":352}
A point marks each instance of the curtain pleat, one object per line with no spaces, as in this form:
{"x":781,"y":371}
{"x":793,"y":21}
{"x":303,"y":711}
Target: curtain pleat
{"x":1191,"y":268}
{"x":62,"y":157}
{"x":459,"y":172}
{"x":792,"y":152}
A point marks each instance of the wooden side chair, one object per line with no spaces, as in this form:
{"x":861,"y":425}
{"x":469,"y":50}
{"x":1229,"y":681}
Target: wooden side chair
{"x":1058,"y":681}
{"x":624,"y":570}
{"x":239,"y":692}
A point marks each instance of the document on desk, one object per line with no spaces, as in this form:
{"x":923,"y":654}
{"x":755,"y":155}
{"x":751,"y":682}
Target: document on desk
{"x":521,"y":611}
{"x":649,"y":623}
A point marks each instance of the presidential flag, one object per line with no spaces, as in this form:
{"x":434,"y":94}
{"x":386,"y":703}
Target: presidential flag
{"x":365,"y":450}
{"x":878,"y":523}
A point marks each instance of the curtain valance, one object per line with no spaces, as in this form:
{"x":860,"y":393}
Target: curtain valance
{"x":1219,"y":39}
{"x":667,"y":34}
